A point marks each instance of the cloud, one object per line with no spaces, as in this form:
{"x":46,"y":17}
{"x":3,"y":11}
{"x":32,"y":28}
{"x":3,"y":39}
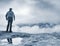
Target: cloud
{"x":34,"y":11}
{"x":5,"y":2}
{"x":45,"y":11}
{"x":36,"y":29}
{"x":44,"y":4}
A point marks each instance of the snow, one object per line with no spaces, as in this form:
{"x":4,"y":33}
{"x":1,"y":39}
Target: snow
{"x":41,"y":40}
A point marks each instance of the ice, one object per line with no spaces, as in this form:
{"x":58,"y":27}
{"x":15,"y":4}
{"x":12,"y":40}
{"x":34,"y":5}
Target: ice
{"x":41,"y":40}
{"x":15,"y":42}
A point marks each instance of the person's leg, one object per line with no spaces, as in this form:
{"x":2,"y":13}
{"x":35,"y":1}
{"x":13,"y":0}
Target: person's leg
{"x":11,"y":25}
{"x":7,"y":26}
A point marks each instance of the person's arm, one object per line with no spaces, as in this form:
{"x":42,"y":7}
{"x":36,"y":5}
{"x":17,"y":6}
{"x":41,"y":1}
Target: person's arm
{"x":6,"y":16}
{"x":13,"y":16}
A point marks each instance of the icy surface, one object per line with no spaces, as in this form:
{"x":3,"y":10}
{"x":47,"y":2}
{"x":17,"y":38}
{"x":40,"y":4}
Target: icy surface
{"x":41,"y":40}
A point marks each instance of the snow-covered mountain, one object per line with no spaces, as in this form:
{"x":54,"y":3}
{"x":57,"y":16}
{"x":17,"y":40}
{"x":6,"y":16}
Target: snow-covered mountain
{"x":41,"y":25}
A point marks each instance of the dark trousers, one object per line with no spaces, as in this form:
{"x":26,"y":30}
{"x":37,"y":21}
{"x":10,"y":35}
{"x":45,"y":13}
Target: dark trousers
{"x":9,"y":25}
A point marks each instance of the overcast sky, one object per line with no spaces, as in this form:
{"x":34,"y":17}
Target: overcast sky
{"x":32,"y":11}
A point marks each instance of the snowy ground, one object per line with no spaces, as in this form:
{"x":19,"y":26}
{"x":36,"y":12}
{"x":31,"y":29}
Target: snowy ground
{"x":43,"y":39}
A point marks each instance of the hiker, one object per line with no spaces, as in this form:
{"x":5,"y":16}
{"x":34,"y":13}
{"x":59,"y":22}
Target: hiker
{"x":10,"y":17}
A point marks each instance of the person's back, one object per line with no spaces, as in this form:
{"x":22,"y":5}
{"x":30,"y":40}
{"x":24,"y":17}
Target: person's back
{"x":9,"y":17}
{"x":10,"y":13}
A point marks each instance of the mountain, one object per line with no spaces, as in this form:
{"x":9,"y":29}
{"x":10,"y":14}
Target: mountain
{"x":41,"y":25}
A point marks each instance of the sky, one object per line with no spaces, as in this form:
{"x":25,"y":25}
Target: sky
{"x":32,"y":11}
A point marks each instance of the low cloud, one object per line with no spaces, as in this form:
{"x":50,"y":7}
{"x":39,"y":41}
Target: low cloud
{"x":36,"y":29}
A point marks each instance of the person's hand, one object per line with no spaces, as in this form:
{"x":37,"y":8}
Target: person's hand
{"x":6,"y":19}
{"x":14,"y":19}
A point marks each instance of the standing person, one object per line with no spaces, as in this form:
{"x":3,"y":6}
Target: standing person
{"x":10,"y":17}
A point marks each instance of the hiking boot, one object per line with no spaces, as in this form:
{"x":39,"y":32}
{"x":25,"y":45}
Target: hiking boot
{"x":10,"y":31}
{"x":6,"y":31}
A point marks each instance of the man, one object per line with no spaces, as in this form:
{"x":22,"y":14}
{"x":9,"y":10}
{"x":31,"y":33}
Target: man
{"x":10,"y":17}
